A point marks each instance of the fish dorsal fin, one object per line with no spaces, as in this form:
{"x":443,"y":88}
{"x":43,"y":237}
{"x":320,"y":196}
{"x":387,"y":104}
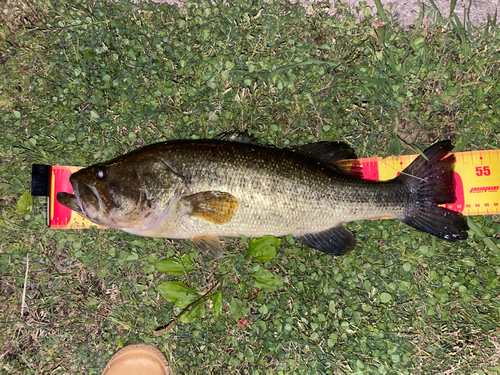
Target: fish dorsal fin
{"x":336,"y":241}
{"x":213,"y":206}
{"x":338,"y":155}
{"x":209,"y":245}
{"x":233,"y":136}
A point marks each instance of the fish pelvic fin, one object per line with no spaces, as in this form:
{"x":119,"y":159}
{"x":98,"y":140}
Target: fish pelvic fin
{"x":336,"y":241}
{"x":432,"y":182}
{"x":213,"y":206}
{"x":209,"y":245}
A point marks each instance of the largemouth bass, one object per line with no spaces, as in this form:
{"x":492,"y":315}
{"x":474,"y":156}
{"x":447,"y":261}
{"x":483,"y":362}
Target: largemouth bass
{"x":229,"y":186}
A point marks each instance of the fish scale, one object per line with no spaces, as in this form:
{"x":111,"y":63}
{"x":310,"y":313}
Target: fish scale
{"x":285,"y":197}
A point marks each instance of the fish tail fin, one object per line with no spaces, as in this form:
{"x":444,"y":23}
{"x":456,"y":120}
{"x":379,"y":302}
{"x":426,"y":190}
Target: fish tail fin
{"x":432,"y":182}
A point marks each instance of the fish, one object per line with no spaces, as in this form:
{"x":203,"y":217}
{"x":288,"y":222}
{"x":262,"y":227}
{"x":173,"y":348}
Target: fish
{"x":231,"y":186}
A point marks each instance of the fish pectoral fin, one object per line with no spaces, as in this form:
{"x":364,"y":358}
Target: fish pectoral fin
{"x":209,"y":245}
{"x":213,"y":206}
{"x":336,"y":241}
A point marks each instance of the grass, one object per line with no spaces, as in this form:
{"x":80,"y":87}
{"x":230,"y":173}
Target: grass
{"x":82,"y":82}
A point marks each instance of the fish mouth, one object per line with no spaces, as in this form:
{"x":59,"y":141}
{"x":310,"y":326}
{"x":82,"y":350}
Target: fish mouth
{"x":86,"y":201}
{"x":70,"y":201}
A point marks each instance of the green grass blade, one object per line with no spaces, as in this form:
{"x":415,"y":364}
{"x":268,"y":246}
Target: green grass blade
{"x":480,"y":234}
{"x":380,"y":11}
{"x":439,"y":16}
{"x":453,"y":3}
{"x":421,"y":15}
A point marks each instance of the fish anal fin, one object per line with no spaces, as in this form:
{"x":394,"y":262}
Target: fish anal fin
{"x":209,"y":245}
{"x":336,"y":241}
{"x":338,"y":155}
{"x":213,"y":206}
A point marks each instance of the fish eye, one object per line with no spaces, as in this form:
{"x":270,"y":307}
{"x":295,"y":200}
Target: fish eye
{"x":101,"y":173}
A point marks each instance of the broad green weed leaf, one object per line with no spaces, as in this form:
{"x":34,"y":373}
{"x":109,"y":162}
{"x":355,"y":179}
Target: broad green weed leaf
{"x":263,"y":249}
{"x":263,"y":309}
{"x":175,"y":266}
{"x":266,"y":280}
{"x":385,"y":297}
{"x":25,"y":203}
{"x":450,"y":94}
{"x":195,"y":312}
{"x":418,"y":43}
{"x":178,"y":293}
{"x":238,"y":308}
{"x":217,"y":300}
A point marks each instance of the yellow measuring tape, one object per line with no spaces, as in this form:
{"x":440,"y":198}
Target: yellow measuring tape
{"x":477,"y":174}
